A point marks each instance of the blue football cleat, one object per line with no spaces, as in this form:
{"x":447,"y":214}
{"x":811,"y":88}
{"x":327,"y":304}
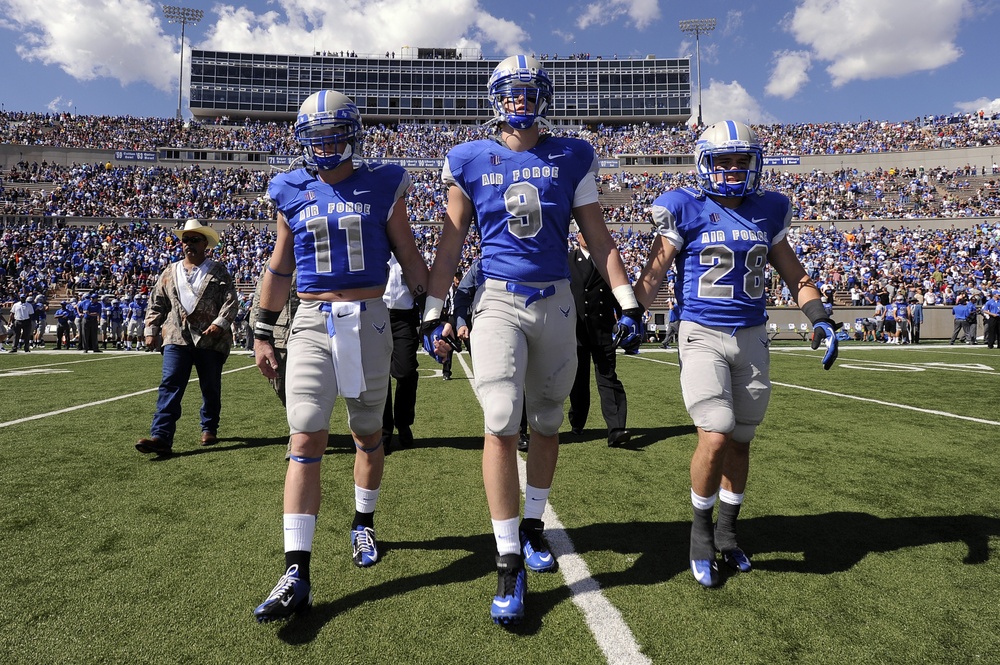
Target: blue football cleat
{"x":706,"y":571}
{"x":364,"y":546}
{"x":291,"y":594}
{"x":507,"y":607}
{"x":737,"y":559}
{"x":534,"y":549}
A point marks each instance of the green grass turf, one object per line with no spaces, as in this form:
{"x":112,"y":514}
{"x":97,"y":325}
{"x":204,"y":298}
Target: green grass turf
{"x":873,"y":528}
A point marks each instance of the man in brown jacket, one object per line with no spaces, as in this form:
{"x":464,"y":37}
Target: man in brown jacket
{"x":190,"y":317}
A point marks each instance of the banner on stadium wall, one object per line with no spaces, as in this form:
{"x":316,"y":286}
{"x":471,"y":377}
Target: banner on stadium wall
{"x":783,"y":160}
{"x":280,"y":160}
{"x":410,"y":162}
{"x":134,"y":156}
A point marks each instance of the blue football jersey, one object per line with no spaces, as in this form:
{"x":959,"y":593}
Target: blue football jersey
{"x":340,"y":230}
{"x":722,"y":253}
{"x":523,"y":202}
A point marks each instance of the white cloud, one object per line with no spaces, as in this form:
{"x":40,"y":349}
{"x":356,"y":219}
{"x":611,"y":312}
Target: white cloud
{"x":790,"y":73}
{"x":733,"y":25}
{"x":990,"y":106}
{"x":304,"y":26}
{"x":640,"y":13}
{"x":57,"y":105}
{"x":730,"y":101}
{"x":870,"y":39}
{"x":89,"y":39}
{"x":130,"y":41}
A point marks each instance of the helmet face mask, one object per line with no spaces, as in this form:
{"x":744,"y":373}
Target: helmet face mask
{"x":329,"y":129}
{"x":728,"y":138}
{"x":520,"y":91}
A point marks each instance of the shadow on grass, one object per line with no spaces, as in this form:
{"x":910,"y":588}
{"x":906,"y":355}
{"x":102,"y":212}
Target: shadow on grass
{"x":812,"y":544}
{"x":304,"y":627}
{"x":822,"y":544}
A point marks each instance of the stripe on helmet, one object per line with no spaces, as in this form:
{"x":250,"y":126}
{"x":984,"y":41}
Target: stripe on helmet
{"x":522,"y":62}
{"x":321,"y":102}
{"x":734,"y":133}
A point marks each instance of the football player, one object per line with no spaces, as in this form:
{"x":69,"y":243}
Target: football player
{"x":522,"y":186}
{"x":719,"y":237}
{"x":339,"y":219}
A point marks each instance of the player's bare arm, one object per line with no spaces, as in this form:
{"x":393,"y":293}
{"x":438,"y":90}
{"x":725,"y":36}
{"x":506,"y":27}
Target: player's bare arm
{"x":661,"y":257}
{"x":590,"y":219}
{"x":801,"y":286}
{"x":415,"y":272}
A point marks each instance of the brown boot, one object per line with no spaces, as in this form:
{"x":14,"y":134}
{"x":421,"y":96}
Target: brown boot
{"x":208,"y":438}
{"x":154,"y":444}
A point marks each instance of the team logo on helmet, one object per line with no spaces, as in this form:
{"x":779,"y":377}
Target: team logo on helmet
{"x":329,"y":129}
{"x":517,"y":77}
{"x":728,"y":138}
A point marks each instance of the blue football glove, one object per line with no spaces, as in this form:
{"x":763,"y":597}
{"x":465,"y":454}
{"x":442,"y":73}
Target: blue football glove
{"x":627,"y":333}
{"x":825,"y":329}
{"x":431,"y":332}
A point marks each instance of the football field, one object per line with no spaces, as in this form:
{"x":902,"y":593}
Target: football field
{"x":872,"y":517}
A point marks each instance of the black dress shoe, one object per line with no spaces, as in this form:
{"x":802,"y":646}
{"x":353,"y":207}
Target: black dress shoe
{"x":577,"y":430}
{"x":385,"y":441}
{"x":154,"y":444}
{"x":618,"y":437}
{"x":405,"y":436}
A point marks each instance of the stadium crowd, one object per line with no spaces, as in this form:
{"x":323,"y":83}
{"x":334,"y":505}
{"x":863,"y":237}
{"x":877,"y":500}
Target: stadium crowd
{"x":155,"y":192}
{"x":48,"y":256}
{"x":68,"y":130}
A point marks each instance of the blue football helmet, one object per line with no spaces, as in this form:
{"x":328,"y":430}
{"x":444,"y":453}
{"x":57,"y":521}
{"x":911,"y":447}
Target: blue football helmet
{"x":726,"y":138}
{"x":516,"y":76}
{"x":328,"y":120}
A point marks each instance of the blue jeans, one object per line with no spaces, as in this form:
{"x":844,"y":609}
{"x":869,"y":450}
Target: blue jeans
{"x":177,"y":363}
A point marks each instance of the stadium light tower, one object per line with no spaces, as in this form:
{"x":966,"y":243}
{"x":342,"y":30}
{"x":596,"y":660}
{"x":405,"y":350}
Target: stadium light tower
{"x":698,"y":26}
{"x":182,"y":15}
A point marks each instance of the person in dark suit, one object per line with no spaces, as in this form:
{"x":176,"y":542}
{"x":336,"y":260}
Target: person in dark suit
{"x":597,"y":310}
{"x":404,"y":317}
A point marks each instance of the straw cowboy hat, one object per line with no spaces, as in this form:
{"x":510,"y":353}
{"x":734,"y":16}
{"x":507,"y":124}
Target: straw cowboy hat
{"x":195,"y":226}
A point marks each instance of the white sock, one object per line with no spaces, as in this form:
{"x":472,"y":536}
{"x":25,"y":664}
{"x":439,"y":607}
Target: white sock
{"x":364,"y":499}
{"x":299,"y":530}
{"x":733,"y":499}
{"x":534,"y":501}
{"x":702,"y":502}
{"x":505,"y":532}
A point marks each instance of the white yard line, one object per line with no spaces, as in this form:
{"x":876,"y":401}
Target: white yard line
{"x":605,"y":622}
{"x":103,"y":401}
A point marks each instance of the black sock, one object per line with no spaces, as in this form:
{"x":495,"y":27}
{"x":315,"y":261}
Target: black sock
{"x":702,"y":542}
{"x":301,"y":558}
{"x":725,"y":530}
{"x":363,"y":519}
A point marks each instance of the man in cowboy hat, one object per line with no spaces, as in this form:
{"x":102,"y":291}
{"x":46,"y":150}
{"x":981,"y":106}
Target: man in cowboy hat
{"x":190,"y":317}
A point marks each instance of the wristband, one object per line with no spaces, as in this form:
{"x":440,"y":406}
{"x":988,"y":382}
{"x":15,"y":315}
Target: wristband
{"x":815,"y":311}
{"x":263,"y":327}
{"x":625,"y":296}
{"x":432,"y":308}
{"x":279,"y":274}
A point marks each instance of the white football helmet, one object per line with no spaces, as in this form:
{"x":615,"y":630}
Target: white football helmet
{"x":326,"y":120}
{"x":725,"y":138}
{"x":516,"y":76}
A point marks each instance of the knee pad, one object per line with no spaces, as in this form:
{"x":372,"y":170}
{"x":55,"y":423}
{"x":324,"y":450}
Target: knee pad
{"x":545,"y":416}
{"x":744,"y":432}
{"x":713,"y":416}
{"x":501,"y":408}
{"x":364,"y":421}
{"x":307,"y":417}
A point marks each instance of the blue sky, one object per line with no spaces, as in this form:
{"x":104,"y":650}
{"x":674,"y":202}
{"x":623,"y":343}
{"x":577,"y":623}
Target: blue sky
{"x":766,"y":61}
